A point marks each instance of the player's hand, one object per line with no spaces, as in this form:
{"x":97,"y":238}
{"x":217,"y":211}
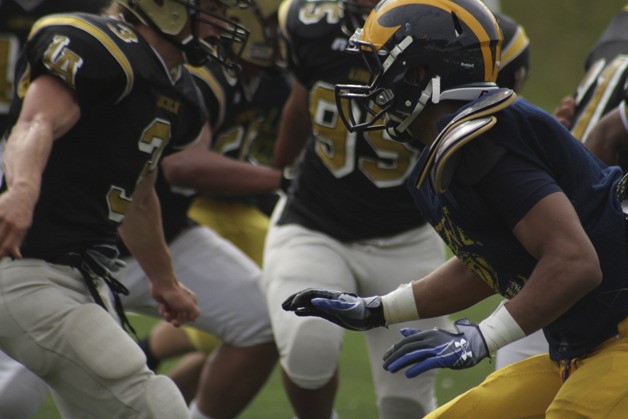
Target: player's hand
{"x":565,"y":111}
{"x":345,"y":309}
{"x":177,"y":304}
{"x":16,"y":215}
{"x":437,"y":348}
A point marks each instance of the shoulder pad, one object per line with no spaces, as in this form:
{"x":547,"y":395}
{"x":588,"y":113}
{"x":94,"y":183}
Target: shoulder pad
{"x":213,"y":89}
{"x":464,"y":127}
{"x":601,"y":90}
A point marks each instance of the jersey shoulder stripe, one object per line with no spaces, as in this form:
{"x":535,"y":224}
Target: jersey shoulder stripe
{"x":101,"y":35}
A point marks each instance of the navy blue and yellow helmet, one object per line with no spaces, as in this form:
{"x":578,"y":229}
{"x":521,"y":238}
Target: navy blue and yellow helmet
{"x":456,"y":43}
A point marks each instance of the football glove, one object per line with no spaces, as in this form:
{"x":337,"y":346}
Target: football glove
{"x":437,"y":348}
{"x":344,"y":309}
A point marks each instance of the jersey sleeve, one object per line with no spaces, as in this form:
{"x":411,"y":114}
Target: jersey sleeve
{"x":81,"y":54}
{"x":514,"y":186}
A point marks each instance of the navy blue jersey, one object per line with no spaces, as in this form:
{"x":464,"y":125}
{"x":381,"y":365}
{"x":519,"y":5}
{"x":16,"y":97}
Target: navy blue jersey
{"x":476,"y":214}
{"x":133,"y":109}
{"x":349,"y":186}
{"x":16,"y":19}
{"x":602,"y":87}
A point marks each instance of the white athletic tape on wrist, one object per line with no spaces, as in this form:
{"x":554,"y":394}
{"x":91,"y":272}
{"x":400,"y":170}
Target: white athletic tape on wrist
{"x":500,"y":329}
{"x":399,"y":305}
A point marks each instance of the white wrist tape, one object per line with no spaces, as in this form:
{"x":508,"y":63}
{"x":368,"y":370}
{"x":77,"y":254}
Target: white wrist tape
{"x":399,"y":305}
{"x":500,"y":329}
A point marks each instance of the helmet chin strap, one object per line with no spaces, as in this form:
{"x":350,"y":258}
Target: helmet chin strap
{"x":432,"y":90}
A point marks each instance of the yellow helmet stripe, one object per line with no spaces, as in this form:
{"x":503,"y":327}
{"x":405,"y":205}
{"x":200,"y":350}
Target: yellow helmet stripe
{"x":379,"y":35}
{"x":97,"y":33}
{"x":516,"y":46}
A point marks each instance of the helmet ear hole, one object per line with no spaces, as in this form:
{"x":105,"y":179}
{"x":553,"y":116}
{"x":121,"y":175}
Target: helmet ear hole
{"x":456,"y":22}
{"x":416,"y":75}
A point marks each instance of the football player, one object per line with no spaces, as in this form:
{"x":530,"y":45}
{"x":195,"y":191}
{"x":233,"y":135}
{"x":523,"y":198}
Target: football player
{"x":602,"y":87}
{"x":231,"y":177}
{"x":528,"y":212}
{"x":80,"y":158}
{"x":335,"y":230}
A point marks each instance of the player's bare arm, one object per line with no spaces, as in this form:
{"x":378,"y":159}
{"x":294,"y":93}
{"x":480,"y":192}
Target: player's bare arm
{"x":142,"y":233}
{"x":565,"y":111}
{"x":609,"y":139}
{"x":295,"y":126}
{"x":567,"y":268}
{"x":440,"y":292}
{"x":48,"y":112}
{"x":211,"y":173}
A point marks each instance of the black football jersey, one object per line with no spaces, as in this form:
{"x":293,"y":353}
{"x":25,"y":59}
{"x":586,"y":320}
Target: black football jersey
{"x":244,"y":121}
{"x":350,"y":186}
{"x":602,"y":87}
{"x":16,"y":19}
{"x":133,"y":109}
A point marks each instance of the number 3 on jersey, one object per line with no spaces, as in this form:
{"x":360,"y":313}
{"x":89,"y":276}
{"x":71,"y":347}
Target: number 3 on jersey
{"x":336,"y":146}
{"x":153,"y":142}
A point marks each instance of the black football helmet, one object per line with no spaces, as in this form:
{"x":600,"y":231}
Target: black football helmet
{"x":457,"y":43}
{"x":169,"y":17}
{"x":515,"y":62}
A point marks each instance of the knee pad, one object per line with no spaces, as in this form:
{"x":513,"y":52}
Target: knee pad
{"x":311,"y":357}
{"x":101,"y":344}
{"x":398,"y":408}
{"x":164,"y":400}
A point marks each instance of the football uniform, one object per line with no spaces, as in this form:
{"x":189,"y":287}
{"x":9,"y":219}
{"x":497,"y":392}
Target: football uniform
{"x":210,"y":265}
{"x":535,"y":157}
{"x":246,"y":130}
{"x":133,"y":109}
{"x":348,"y":223}
{"x":602,"y":87}
{"x":16,"y":19}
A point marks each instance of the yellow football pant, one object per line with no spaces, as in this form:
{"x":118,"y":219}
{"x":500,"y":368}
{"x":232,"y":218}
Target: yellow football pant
{"x":241,"y":224}
{"x":533,"y":388}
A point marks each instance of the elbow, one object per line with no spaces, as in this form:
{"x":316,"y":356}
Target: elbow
{"x":174,"y":171}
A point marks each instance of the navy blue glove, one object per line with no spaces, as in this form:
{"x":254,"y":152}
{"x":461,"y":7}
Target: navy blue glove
{"x":344,"y":309}
{"x":437,"y":348}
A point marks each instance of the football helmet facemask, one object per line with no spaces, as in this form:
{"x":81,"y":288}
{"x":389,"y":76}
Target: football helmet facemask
{"x":169,"y":18}
{"x":457,"y":43}
{"x":260,"y":18}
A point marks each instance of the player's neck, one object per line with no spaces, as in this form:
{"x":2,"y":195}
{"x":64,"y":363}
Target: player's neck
{"x":170,"y":54}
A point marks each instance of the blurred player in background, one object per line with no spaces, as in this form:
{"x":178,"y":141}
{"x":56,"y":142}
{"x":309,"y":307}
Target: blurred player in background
{"x":335,"y":226}
{"x":529,"y":213}
{"x":600,"y":91}
{"x":236,"y":179}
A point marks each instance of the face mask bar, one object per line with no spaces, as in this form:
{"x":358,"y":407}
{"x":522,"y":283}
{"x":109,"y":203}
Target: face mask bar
{"x":362,"y":106}
{"x":226,"y":48}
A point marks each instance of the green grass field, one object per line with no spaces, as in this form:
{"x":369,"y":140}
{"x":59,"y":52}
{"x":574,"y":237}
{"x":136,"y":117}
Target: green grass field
{"x":561,"y":33}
